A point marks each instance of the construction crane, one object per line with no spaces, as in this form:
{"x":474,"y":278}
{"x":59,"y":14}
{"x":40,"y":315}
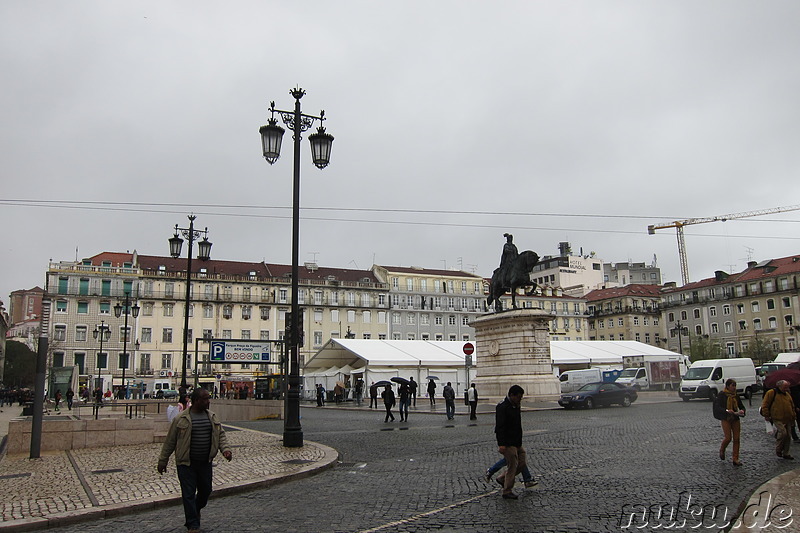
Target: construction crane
{"x":679,"y":224}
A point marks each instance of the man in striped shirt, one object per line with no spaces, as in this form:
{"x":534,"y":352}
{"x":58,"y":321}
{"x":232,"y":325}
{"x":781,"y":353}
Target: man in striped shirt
{"x":195,"y":436}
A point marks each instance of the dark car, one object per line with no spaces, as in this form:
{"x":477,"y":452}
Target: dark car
{"x":169,"y":393}
{"x":598,"y":393}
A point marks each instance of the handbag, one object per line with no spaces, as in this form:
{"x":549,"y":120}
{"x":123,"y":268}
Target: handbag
{"x":769,"y":427}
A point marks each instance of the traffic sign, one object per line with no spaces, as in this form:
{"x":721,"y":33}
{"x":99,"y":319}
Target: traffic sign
{"x":469,"y":348}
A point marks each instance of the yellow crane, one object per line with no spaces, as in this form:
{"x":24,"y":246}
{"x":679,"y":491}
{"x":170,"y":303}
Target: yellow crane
{"x":679,"y":224}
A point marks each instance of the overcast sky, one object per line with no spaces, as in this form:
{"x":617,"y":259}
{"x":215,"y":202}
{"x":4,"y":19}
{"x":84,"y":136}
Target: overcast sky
{"x":454,"y":121}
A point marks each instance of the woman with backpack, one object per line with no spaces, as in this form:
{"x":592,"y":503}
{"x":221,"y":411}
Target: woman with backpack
{"x":729,"y":409}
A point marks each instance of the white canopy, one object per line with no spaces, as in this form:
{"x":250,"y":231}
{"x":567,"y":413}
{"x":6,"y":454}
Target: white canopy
{"x":358,"y":353}
{"x":599,"y":352}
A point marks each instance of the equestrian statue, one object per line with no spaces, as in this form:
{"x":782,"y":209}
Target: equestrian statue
{"x":514,"y":272}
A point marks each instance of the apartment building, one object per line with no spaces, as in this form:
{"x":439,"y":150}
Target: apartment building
{"x":632,"y":313}
{"x":431,"y":304}
{"x":628,"y":273}
{"x":734,"y":310}
{"x":228,"y":300}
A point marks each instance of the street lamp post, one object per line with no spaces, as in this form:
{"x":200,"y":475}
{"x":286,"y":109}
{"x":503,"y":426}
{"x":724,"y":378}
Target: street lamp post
{"x":321,"y":142}
{"x":679,"y":330}
{"x":126,"y":308}
{"x":102,"y":332}
{"x":203,"y":254}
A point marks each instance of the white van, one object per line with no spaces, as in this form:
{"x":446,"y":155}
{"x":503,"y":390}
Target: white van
{"x":572,"y":380}
{"x":787,"y":357}
{"x":706,"y":378}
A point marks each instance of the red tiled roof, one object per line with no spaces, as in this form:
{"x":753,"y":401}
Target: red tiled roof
{"x":628,"y":290}
{"x":771,"y":268}
{"x":117,"y":259}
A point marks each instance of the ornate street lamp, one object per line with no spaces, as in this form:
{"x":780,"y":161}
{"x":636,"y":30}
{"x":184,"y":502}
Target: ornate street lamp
{"x":119,"y":309}
{"x":321,"y":142}
{"x":102,"y":332}
{"x":203,"y":254}
{"x":680,"y":329}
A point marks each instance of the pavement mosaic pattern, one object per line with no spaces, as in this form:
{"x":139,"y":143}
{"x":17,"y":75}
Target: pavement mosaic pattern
{"x":91,"y":478}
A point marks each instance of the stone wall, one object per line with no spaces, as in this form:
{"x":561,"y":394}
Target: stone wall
{"x":115,"y":430}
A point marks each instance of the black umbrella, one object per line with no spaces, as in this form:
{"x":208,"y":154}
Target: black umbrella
{"x":402,"y":381}
{"x":382,"y":383}
{"x":433,"y":377}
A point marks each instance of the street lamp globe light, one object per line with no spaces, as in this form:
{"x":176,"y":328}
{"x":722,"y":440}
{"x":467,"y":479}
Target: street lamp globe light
{"x":271,"y":138}
{"x":175,"y":243}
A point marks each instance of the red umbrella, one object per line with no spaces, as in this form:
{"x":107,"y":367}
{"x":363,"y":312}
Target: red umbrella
{"x":792,"y":375}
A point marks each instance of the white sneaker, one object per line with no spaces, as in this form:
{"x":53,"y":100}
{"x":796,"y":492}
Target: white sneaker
{"x":531,"y":483}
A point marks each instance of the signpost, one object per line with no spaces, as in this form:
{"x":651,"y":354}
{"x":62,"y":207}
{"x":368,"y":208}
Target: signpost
{"x":469,"y":349}
{"x":240,"y":352}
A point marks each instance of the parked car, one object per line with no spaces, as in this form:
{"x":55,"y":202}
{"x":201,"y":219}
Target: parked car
{"x":169,"y":393}
{"x":598,"y":393}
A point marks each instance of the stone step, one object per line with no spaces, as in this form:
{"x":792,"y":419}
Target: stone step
{"x":159,"y":438}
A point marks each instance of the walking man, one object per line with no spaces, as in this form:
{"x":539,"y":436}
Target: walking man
{"x":405,"y":400}
{"x":388,"y":402}
{"x":472,"y":398}
{"x":508,"y":430}
{"x":432,"y":391}
{"x":195,"y":436}
{"x":449,"y":401}
{"x":373,"y":396}
{"x":779,"y":409}
{"x":412,"y":386}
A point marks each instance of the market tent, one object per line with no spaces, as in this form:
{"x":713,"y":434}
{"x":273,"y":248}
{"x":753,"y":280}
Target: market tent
{"x":598,"y":353}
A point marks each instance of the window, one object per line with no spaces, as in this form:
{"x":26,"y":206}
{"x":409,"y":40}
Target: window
{"x":125,"y":333}
{"x":740,"y":308}
{"x":169,"y":309}
{"x":756,"y":324}
{"x":726,"y":309}
{"x":465,"y":320}
{"x":83,"y":308}
{"x":102,"y":360}
{"x":247,"y":311}
{"x":755,"y":307}
{"x":166,"y":335}
{"x":730,"y":348}
{"x":773,"y":322}
{"x":351,"y":316}
{"x":144,"y":363}
{"x":123,"y":361}
{"x":208,"y":311}
{"x":671,"y":317}
{"x":409,"y":284}
{"x":208,"y":334}
{"x":317,"y":338}
{"x":438,"y":320}
{"x":264,"y":312}
{"x":317,"y":297}
{"x":787,"y":302}
{"x":684,"y":316}
{"x":647,"y":338}
{"x":698,"y":329}
{"x":317,"y":315}
{"x":395,"y":283}
{"x":366,"y":317}
{"x":621,"y":321}
{"x":381,"y":317}
{"x":714,"y":327}
{"x":770,"y":304}
{"x":226,"y":334}
{"x":696,"y":313}
{"x":81,"y":333}
{"x":264,"y":335}
{"x":166,"y":360}
{"x":335,"y":315}
{"x":451,"y":320}
{"x":227,"y":311}
{"x":742,"y":324}
{"x":282,"y":296}
{"x":712,"y":311}
{"x":63,"y":284}
{"x":80,"y":361}
{"x":147,"y":335}
{"x":410,"y":319}
{"x":635,"y":321}
{"x":169,"y":290}
{"x":728,"y":327}
{"x":245,"y":334}
{"x":147,"y":309}
{"x":246,"y":294}
{"x":60,"y":333}
{"x":106,"y":287}
{"x":61,"y":306}
{"x":788,"y":320}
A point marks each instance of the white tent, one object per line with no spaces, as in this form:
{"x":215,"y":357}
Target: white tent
{"x":384,"y":359}
{"x":598,"y":353}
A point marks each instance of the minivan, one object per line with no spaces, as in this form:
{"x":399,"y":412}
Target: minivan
{"x":706,"y":378}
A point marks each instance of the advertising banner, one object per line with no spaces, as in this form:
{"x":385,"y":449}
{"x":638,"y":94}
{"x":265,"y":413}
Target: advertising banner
{"x":240,"y":352}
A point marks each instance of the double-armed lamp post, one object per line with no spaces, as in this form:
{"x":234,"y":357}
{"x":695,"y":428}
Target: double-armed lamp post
{"x":119,"y":309}
{"x":102,"y":332}
{"x":203,"y":254}
{"x":321,"y":142}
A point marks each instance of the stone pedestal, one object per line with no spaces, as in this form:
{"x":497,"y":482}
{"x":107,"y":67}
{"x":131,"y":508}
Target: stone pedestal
{"x":513,"y":348}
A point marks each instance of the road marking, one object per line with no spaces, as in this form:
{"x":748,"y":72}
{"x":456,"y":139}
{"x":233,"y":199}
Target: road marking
{"x":429,"y":513}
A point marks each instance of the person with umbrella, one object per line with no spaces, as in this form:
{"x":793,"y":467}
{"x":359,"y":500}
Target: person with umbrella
{"x":373,"y":395}
{"x":791,"y":374}
{"x":432,"y":391}
{"x":778,"y":408}
{"x":388,"y":401}
{"x":405,"y":401}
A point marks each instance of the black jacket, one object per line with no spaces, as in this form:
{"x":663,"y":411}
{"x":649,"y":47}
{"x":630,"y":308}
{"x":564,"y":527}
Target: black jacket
{"x":508,"y":424}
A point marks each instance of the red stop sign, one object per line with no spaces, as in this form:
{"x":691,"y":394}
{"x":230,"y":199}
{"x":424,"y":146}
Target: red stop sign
{"x":469,"y":348}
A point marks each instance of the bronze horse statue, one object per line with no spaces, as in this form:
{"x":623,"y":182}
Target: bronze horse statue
{"x":515,"y":275}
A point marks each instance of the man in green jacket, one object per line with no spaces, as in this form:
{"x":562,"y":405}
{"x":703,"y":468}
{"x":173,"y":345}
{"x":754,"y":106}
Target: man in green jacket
{"x":778,"y":408}
{"x":195,"y":436}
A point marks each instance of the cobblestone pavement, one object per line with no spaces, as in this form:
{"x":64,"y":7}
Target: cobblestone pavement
{"x":61,"y":486}
{"x":599,"y":470}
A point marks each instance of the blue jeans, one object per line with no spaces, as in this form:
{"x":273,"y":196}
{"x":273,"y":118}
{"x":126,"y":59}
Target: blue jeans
{"x":404,"y":408}
{"x":195,"y":482}
{"x":450,"y":405}
{"x":526,"y":474}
